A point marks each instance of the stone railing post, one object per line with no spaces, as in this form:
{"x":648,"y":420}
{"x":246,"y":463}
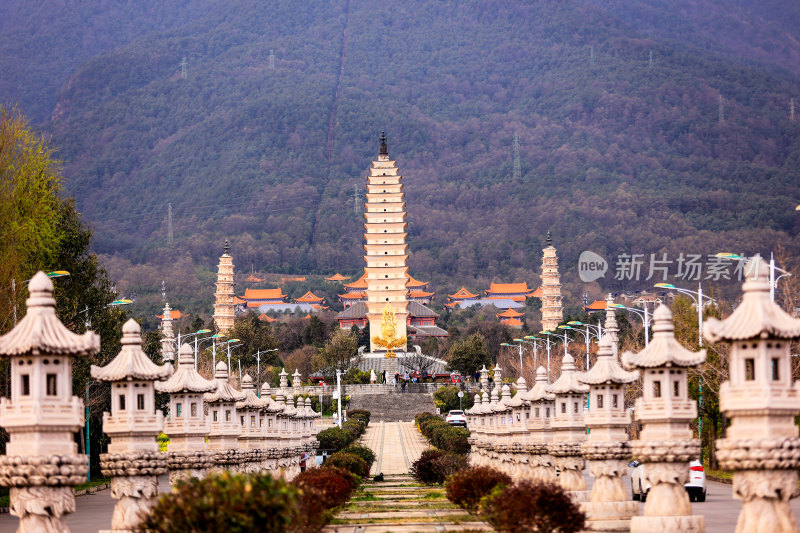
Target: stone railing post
{"x":569,"y":429}
{"x":42,"y":465}
{"x":542,"y":404}
{"x":187,"y":426}
{"x":251,"y":440}
{"x":223,"y":438}
{"x":665,"y":445}
{"x":270,"y":429}
{"x":607,"y":447}
{"x":762,"y":401}
{"x":133,"y":461}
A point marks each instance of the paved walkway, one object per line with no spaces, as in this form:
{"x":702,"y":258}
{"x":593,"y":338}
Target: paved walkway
{"x":396,"y":445}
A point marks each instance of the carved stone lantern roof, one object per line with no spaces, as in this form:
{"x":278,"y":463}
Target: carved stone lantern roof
{"x":476,"y":403}
{"x":664,"y":349}
{"x":757,"y":316}
{"x":186,"y":378}
{"x":567,"y":382}
{"x":225,"y":391}
{"x":606,"y":369}
{"x":40,"y":332}
{"x":501,"y":405}
{"x":131,"y":363}
{"x":267,"y":403}
{"x":251,"y":401}
{"x":539,"y":390}
{"x":518,"y":400}
{"x":289,"y":408}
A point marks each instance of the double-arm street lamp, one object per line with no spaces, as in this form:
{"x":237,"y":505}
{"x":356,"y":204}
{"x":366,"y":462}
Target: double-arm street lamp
{"x":230,"y":345}
{"x":644,"y":315}
{"x":773,"y":281}
{"x":184,"y":337}
{"x":507,"y":345}
{"x":548,"y":344}
{"x":212,"y":338}
{"x":587,"y":330}
{"x":699,"y":302}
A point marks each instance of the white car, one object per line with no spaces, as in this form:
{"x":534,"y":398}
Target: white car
{"x":456,"y":418}
{"x":696,"y":487}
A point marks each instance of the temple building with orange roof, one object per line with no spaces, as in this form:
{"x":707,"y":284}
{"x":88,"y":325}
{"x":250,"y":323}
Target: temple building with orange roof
{"x":420,"y":296}
{"x":509,"y":317}
{"x":253,"y":279}
{"x":174,"y":315}
{"x":518,"y":292}
{"x":513,"y":322}
{"x":355,"y":292}
{"x":310,"y":298}
{"x":461,"y":295}
{"x":595,"y":307}
{"x":254,"y":298}
{"x":336,"y":277}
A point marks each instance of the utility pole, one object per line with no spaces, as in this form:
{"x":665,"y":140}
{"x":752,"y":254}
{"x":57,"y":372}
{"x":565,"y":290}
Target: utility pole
{"x":163,"y":291}
{"x":721,"y":109}
{"x":14,"y":299}
{"x":791,"y":110}
{"x":184,"y":64}
{"x":517,"y":171}
{"x":650,"y":62}
{"x":591,"y":54}
{"x":271,"y":60}
{"x":170,"y":237}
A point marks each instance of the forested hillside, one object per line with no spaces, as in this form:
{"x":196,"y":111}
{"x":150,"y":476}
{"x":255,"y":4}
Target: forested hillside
{"x":618,"y":153}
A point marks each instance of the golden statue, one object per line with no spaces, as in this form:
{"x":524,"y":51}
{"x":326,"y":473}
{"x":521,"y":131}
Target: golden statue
{"x":388,"y":338}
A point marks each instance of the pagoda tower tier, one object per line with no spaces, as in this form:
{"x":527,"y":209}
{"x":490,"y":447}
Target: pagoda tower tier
{"x":386,"y":250}
{"x":552,"y":310}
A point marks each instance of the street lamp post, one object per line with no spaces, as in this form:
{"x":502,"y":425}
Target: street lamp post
{"x":587,"y":335}
{"x":697,"y":298}
{"x":548,"y":344}
{"x":520,"y":352}
{"x":644,"y":315}
{"x":228,"y":343}
{"x":339,"y":396}
{"x":198,"y":332}
{"x":214,"y":350}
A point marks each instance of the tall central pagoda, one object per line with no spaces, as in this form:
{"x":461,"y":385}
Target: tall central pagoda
{"x":386,"y":248}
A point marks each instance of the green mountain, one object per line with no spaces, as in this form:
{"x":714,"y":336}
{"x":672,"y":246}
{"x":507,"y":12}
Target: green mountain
{"x":693,"y":152}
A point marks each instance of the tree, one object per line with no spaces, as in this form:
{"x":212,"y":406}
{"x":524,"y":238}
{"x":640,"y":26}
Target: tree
{"x":446,"y":399}
{"x":301,"y":359}
{"x":253,"y":335}
{"x":340,"y":352}
{"x":469,"y":354}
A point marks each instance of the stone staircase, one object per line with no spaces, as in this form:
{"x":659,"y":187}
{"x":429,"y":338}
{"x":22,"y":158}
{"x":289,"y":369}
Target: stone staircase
{"x":393,"y":406}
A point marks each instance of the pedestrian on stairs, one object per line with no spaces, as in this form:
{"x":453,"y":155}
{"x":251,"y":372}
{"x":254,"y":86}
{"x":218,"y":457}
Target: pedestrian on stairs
{"x":403,"y":387}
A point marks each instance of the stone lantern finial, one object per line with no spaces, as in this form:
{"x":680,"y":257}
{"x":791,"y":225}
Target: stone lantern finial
{"x":41,"y":350}
{"x":611,"y":327}
{"x":666,"y":444}
{"x":133,"y":460}
{"x":762,"y":401}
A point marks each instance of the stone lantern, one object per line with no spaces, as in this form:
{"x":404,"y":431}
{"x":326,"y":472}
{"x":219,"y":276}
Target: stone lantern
{"x":665,"y":445}
{"x":223,"y":437}
{"x":611,"y":327}
{"x":484,"y":378}
{"x":569,"y":430}
{"x":270,"y":428}
{"x":133,"y":461}
{"x":518,"y":432}
{"x":252,"y":436}
{"x":542,"y":405}
{"x":607,"y":447}
{"x":187,"y":425}
{"x":42,"y":464}
{"x":762,"y":401}
{"x":297,"y":382}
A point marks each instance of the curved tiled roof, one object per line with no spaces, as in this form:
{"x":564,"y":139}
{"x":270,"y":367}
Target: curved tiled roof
{"x":509,"y":313}
{"x":225,"y":391}
{"x":309,"y":297}
{"x":131,"y":362}
{"x":567,"y":382}
{"x":337,"y":277}
{"x":757,"y":315}
{"x":174,"y":315}
{"x":186,"y":378}
{"x":664,"y":349}
{"x":462,"y":294}
{"x":606,"y":369}
{"x":41,"y":332}
{"x":263,"y":294}
{"x":353,"y":296}
{"x":360,"y":283}
{"x":513,"y":322}
{"x":508,"y":288}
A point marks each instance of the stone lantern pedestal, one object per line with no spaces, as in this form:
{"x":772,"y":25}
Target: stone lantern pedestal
{"x":540,"y":465}
{"x":42,"y":464}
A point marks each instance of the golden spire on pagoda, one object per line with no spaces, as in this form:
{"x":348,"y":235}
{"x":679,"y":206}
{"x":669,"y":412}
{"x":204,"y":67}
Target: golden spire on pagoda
{"x":388,"y":338}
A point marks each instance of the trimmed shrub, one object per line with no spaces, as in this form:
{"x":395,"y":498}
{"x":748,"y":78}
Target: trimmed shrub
{"x":227,"y":502}
{"x":451,"y":439}
{"x":360,"y":414}
{"x":333,"y":484}
{"x":350,"y":462}
{"x":536,"y":507}
{"x":362,"y":451}
{"x":334,"y":438}
{"x":434,"y":466}
{"x":355,"y":428}
{"x":466,"y":487}
{"x":419,"y":418}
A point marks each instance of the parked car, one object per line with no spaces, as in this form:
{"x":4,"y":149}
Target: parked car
{"x":456,"y":418}
{"x":696,"y":487}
